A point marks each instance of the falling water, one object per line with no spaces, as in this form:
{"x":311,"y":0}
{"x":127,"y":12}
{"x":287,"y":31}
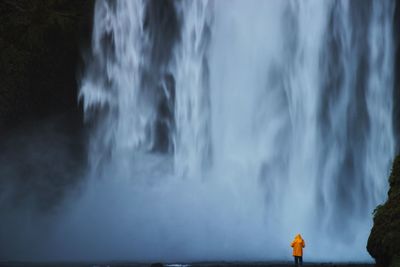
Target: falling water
{"x":223,"y":128}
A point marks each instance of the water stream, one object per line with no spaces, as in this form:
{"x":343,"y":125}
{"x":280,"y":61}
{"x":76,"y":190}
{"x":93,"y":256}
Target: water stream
{"x":220,"y":129}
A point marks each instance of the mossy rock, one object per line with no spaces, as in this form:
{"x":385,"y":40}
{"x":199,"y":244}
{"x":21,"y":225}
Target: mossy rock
{"x":395,"y":262}
{"x":383,"y":243}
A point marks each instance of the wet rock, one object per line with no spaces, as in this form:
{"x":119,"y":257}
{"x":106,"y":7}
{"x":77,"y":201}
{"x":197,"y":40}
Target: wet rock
{"x":40,"y":49}
{"x":383,"y":243}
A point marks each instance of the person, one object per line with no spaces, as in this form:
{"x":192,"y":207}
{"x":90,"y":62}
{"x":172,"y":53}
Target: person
{"x":298,"y":244}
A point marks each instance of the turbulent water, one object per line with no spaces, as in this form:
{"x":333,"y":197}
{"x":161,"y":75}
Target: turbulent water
{"x":220,"y":129}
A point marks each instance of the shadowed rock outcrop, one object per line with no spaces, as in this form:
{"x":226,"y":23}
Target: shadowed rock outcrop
{"x":40,"y":48}
{"x":384,"y":240}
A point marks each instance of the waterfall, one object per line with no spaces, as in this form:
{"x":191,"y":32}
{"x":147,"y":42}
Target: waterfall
{"x":223,"y":128}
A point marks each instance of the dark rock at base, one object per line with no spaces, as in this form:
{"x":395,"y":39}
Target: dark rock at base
{"x":384,"y":240}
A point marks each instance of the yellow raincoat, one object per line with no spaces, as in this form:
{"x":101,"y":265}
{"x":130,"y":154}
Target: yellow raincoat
{"x":298,"y":244}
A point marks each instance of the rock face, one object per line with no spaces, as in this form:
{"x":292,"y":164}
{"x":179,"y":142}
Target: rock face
{"x":41,"y":126}
{"x":384,"y":240}
{"x":40,"y":48}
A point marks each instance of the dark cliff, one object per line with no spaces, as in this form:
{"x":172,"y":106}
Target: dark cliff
{"x":40,"y":49}
{"x":41,"y":125}
{"x":383,"y":242}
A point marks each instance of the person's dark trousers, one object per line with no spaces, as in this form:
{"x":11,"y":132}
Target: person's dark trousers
{"x":298,"y":260}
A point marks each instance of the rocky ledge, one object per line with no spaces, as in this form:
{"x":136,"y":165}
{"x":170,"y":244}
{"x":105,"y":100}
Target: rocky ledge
{"x":384,"y":240}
